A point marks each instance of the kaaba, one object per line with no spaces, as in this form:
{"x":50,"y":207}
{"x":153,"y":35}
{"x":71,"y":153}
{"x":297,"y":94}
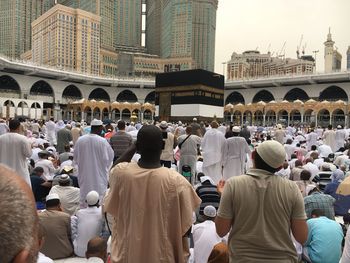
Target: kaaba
{"x":183,"y":95}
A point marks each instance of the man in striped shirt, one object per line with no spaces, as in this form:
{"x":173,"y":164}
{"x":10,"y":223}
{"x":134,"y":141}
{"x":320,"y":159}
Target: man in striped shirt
{"x":121,"y":140}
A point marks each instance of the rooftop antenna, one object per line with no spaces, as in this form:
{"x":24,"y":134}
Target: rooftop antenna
{"x":268,"y":48}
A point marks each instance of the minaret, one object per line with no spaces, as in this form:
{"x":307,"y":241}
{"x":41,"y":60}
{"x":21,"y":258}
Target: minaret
{"x":328,"y":53}
{"x":348,"y":59}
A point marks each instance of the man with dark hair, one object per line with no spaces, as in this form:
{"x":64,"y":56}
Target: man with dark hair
{"x":40,"y":187}
{"x":96,"y":249}
{"x":15,"y":149}
{"x":317,"y":200}
{"x":19,"y":220}
{"x":148,"y":200}
{"x":324,"y":241}
{"x":121,"y":140}
{"x":57,"y":229}
{"x":94,"y":157}
{"x":263,"y":197}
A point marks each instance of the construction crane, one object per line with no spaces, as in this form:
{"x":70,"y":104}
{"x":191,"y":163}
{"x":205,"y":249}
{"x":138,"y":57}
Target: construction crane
{"x":298,"y":47}
{"x":268,"y":48}
{"x":283,"y":49}
{"x":304,"y":47}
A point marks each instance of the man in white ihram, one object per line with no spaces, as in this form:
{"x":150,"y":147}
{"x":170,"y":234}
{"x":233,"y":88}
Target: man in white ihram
{"x":94,"y":157}
{"x":213,"y":145}
{"x":235,"y":153}
{"x":87,"y":224}
{"x":205,"y":236}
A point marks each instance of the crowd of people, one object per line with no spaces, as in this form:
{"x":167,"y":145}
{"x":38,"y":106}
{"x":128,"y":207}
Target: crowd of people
{"x":173,"y":192}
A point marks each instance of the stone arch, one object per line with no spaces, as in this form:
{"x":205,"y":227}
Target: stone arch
{"x":323,"y":117}
{"x":105,"y":114}
{"x":258,"y":117}
{"x":9,"y":84}
{"x":338,"y":117}
{"x":9,"y":103}
{"x":295,"y":116}
{"x":35,"y":105}
{"x":235,"y":98}
{"x":23,"y":104}
{"x":41,"y":87}
{"x":127,"y":96}
{"x":282,"y":116}
{"x":147,"y":115}
{"x":296,"y":94}
{"x":151,"y":97}
{"x":126,"y":114}
{"x":99,"y":94}
{"x":333,"y":93}
{"x":72,"y":92}
{"x":263,"y":95}
{"x":270,"y":117}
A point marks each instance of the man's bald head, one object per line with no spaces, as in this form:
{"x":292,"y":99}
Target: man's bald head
{"x":19,"y":220}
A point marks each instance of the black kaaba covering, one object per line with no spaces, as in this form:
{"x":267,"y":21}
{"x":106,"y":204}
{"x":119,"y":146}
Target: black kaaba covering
{"x":190,"y":77}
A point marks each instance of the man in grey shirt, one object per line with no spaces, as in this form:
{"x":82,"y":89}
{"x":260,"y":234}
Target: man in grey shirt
{"x":121,"y":140}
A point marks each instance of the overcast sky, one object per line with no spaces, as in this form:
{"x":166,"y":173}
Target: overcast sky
{"x":248,"y":24}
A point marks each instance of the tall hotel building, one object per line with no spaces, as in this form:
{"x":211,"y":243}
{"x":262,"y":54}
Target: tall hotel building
{"x":182,"y":28}
{"x":16,"y":17}
{"x":67,"y":38}
{"x":348,"y":59}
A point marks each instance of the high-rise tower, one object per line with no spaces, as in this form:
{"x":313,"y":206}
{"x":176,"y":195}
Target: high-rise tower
{"x":128,"y":23}
{"x":16,"y":17}
{"x":182,"y":28}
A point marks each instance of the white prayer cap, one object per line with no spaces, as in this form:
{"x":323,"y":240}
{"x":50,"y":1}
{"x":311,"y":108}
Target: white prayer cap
{"x":194,"y":119}
{"x":279,"y":126}
{"x":339,"y":127}
{"x":64,"y":178}
{"x":96,"y":122}
{"x":300,"y":132}
{"x":92,"y":198}
{"x":163,"y":125}
{"x":209,"y":211}
{"x":236,"y":129}
{"x":272,"y":153}
{"x":52,"y":197}
{"x":207,"y":178}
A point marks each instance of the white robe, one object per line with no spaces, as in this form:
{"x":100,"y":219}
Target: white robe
{"x":311,"y":139}
{"x":51,"y":132}
{"x":235,"y":151}
{"x":94,"y":157}
{"x":213,"y":144}
{"x":14,"y":151}
{"x":329,"y":139}
{"x":340,"y":137}
{"x":69,"y":198}
{"x":204,"y":238}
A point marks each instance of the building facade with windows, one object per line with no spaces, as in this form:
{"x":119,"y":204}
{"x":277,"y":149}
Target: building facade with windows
{"x":177,"y":28}
{"x":252,"y":64}
{"x":67,"y":38}
{"x":16,"y":17}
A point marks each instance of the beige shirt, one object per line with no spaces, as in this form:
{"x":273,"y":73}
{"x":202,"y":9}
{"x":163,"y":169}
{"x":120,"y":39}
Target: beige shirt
{"x":76,"y":133}
{"x":57,"y":232}
{"x":168,"y":151}
{"x":153,"y":210}
{"x":261,"y":206}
